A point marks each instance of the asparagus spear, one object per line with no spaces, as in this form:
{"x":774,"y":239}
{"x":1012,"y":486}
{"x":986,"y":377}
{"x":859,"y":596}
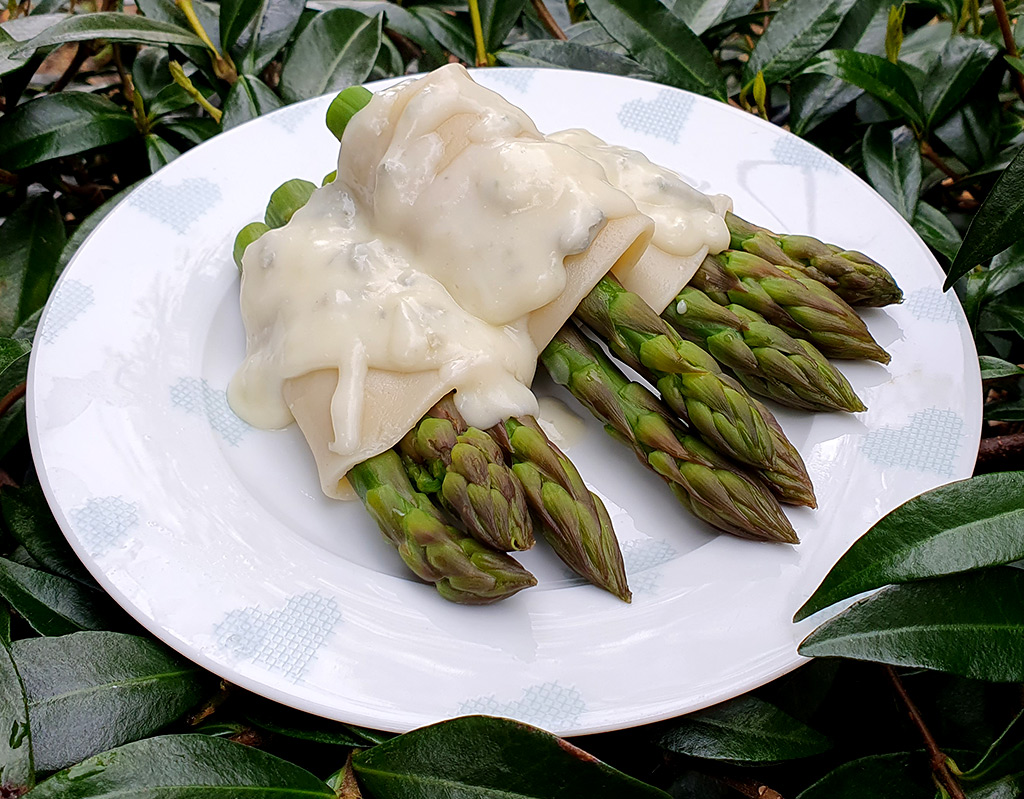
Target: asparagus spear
{"x":802,"y":307}
{"x":706,"y":483}
{"x":466,"y":468}
{"x":573,"y":520}
{"x":461,"y":568}
{"x":852,"y":275}
{"x":765,"y":359}
{"x":692,"y":383}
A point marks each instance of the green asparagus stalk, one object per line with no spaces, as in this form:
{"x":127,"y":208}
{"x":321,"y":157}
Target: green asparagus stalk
{"x":852,"y":275}
{"x":466,"y":468}
{"x":706,"y":483}
{"x":461,"y":568}
{"x":692,"y":383}
{"x":765,"y":359}
{"x":573,"y":520}
{"x":803,"y":307}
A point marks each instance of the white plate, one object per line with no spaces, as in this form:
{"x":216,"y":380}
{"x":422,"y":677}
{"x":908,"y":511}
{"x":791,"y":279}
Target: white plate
{"x":215,"y":536}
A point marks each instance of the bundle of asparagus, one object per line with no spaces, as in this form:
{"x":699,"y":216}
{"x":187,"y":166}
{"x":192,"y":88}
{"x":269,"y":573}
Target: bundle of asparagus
{"x":454,"y":499}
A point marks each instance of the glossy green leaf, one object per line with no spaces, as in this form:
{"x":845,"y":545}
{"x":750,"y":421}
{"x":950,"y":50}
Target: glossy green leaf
{"x":1004,"y":757}
{"x":452,"y":33}
{"x":591,"y":33}
{"x":402,"y":21}
{"x":16,"y":764}
{"x":961,"y":62}
{"x":965,"y":525}
{"x":193,"y":131}
{"x":282,"y":720}
{"x":1005,"y":411}
{"x":1016,"y":63}
{"x":273,"y":28}
{"x":159,"y":152}
{"x":570,"y":55}
{"x":796,"y":34}
{"x":497,"y":18}
{"x":286,"y":199}
{"x":935,"y":228}
{"x":150,"y":73}
{"x":1006,"y":270}
{"x":971,"y":132}
{"x":168,"y":11}
{"x":54,"y":605}
{"x":814,"y":98}
{"x":922,"y":47}
{"x":92,"y":691}
{"x":967,"y":624}
{"x":893,"y":164}
{"x":1009,"y":312}
{"x":114,"y":26}
{"x":894,"y":776}
{"x":699,"y":15}
{"x":8,"y":60}
{"x":337,"y":49}
{"x":14,"y":359}
{"x":743,"y":730}
{"x":235,"y":17}
{"x":248,"y":98}
{"x":1009,"y":787}
{"x":183,"y":767}
{"x":60,"y":124}
{"x":661,"y":42}
{"x":482,"y":756}
{"x":997,"y":224}
{"x":28,"y":517}
{"x":872,"y":73}
{"x":12,"y":353}
{"x":31,"y":240}
{"x":995,"y":368}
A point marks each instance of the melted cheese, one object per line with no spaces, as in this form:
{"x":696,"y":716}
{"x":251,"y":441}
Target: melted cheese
{"x":454,"y":243}
{"x":687,"y":224}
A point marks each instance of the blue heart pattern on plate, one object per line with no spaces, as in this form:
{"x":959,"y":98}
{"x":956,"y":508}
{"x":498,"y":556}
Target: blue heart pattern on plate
{"x":546,"y":705}
{"x":930,"y":442}
{"x":197,"y":398}
{"x":176,"y":205}
{"x":663,"y":117}
{"x":102,"y":523}
{"x":283,"y":640}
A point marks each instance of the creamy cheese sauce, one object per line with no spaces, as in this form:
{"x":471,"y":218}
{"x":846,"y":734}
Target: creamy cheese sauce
{"x":447,"y":226}
{"x":431,"y":261}
{"x":685,"y":220}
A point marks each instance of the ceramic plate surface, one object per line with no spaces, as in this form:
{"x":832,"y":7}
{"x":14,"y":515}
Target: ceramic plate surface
{"x":215,"y":536}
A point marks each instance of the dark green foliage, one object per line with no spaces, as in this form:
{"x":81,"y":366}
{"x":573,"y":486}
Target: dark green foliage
{"x":921,"y":101}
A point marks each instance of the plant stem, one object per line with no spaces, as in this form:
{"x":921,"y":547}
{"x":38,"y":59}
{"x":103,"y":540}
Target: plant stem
{"x":12,"y":397}
{"x":928,"y":152}
{"x":478,"y":33}
{"x":999,"y":449}
{"x":1011,"y":46}
{"x":222,"y":64}
{"x":82,"y":52}
{"x":179,"y":76}
{"x":210,"y":706}
{"x":936,"y":756}
{"x":547,"y":20}
{"x":754,"y":789}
